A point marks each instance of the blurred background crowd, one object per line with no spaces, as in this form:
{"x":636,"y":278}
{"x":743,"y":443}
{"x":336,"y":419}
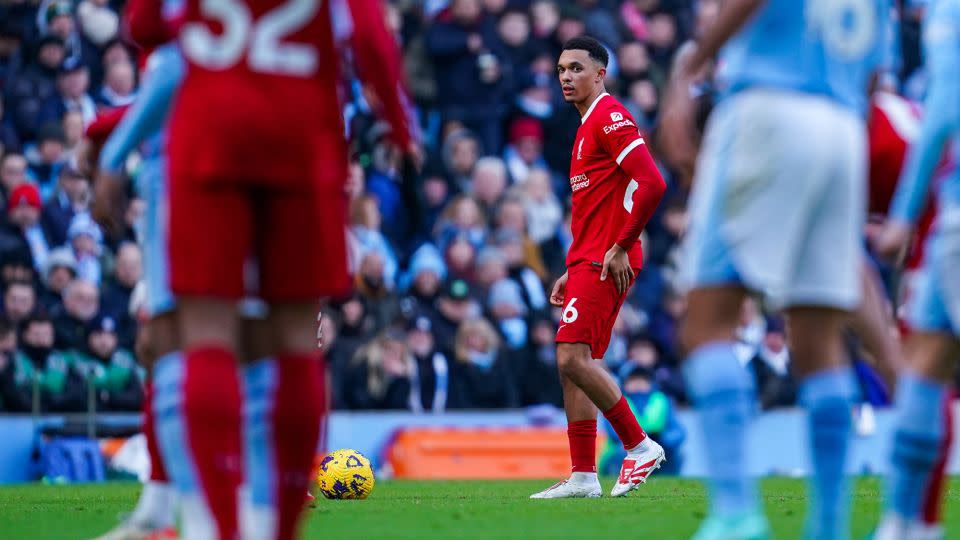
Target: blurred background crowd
{"x":453,"y":262}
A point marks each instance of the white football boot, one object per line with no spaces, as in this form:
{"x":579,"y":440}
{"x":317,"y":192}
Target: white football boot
{"x":578,"y":486}
{"x":638,"y":466}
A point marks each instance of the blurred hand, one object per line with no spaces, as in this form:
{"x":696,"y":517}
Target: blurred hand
{"x":109,"y":201}
{"x":893,"y":241}
{"x":616,"y":263}
{"x":559,"y":289}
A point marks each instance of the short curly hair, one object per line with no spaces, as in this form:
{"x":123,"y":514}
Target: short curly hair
{"x":594,"y":48}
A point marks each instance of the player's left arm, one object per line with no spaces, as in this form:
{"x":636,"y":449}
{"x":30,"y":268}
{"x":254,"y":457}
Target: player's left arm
{"x":378,"y":62}
{"x":623,"y":143}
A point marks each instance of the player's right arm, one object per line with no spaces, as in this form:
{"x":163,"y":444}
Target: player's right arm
{"x":942,"y":119}
{"x":559,"y":291}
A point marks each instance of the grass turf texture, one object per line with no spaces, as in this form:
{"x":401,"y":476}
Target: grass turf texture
{"x":665,"y":508}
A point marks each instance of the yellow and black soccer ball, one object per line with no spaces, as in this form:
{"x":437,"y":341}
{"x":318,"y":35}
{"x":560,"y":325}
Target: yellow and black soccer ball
{"x":345,"y":474}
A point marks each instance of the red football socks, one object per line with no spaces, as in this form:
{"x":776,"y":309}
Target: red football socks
{"x":299,"y":407}
{"x":625,"y":424}
{"x":583,"y":445}
{"x":158,"y":472}
{"x":212,"y":411}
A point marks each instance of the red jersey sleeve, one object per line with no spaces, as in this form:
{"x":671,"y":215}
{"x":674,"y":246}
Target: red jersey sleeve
{"x":378,"y":62}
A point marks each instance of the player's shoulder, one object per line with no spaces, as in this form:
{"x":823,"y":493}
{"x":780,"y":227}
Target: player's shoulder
{"x":611,"y":116}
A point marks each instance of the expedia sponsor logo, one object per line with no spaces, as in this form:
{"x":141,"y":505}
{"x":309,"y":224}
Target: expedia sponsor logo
{"x":617,"y":125}
{"x":579,"y":182}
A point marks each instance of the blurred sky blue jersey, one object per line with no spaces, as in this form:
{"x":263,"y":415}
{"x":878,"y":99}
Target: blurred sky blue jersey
{"x":826,"y":47}
{"x":941,"y":123}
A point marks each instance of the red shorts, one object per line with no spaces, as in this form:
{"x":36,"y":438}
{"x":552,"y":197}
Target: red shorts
{"x":591,"y":309}
{"x":295,"y":234}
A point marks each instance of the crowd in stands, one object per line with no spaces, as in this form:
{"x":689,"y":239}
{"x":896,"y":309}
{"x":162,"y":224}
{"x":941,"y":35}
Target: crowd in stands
{"x":452,"y":261}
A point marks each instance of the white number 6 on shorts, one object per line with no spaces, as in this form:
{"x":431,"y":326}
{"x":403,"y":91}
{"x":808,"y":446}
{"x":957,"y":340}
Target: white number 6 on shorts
{"x":570,"y":313}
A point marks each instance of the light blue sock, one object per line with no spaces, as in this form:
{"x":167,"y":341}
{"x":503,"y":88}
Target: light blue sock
{"x":828,"y":397}
{"x":171,"y":428}
{"x":916,"y":444}
{"x":259,"y":384}
{"x":725,"y":398}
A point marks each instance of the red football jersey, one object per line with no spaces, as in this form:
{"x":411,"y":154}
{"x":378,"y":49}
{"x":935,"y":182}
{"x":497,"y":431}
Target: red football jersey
{"x":261,"y":94}
{"x":602,"y":191}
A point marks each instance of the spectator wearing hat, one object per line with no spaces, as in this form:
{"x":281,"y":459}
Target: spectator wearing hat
{"x":23,"y":224}
{"x":480,"y":376}
{"x":16,"y":263}
{"x":72,"y":197}
{"x":55,"y":18}
{"x":112,"y":370}
{"x":379,"y":376}
{"x":98,"y":22}
{"x":73,"y":85}
{"x":86,"y":240}
{"x":116,"y":293}
{"x":422,"y":282}
{"x":430,"y":381}
{"x":454,"y":306}
{"x":60,"y":271}
{"x":81,"y":303}
{"x":356,"y":325}
{"x":31,"y":88}
{"x":46,"y":158}
{"x":655,"y":412}
{"x":61,"y":387}
{"x":525,"y":150}
{"x":119,"y":86}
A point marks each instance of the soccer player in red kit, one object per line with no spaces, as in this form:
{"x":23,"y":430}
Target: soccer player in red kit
{"x":257,"y":162}
{"x":616,"y":188}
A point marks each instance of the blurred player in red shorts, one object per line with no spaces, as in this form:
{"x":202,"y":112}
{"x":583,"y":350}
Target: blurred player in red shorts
{"x":257,"y":161}
{"x":616,"y":189}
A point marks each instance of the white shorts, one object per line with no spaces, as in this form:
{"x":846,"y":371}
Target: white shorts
{"x":778,"y":203}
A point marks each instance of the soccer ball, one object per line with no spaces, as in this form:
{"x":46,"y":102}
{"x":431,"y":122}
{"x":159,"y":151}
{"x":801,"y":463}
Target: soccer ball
{"x":345,"y":474}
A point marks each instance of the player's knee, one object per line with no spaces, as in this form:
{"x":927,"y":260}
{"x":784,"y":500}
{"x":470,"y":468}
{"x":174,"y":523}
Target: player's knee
{"x":572,"y":359}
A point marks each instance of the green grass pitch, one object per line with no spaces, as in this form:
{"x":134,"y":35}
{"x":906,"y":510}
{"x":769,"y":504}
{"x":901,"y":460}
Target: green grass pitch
{"x":665,"y":509}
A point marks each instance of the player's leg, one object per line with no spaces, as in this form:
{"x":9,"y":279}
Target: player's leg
{"x":154,"y":515}
{"x":828,"y":390}
{"x":724,"y":396}
{"x":933,"y":498}
{"x":582,"y":437}
{"x":919,"y":434}
{"x":211,"y":232}
{"x":285,"y":388}
{"x":874,"y":325}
